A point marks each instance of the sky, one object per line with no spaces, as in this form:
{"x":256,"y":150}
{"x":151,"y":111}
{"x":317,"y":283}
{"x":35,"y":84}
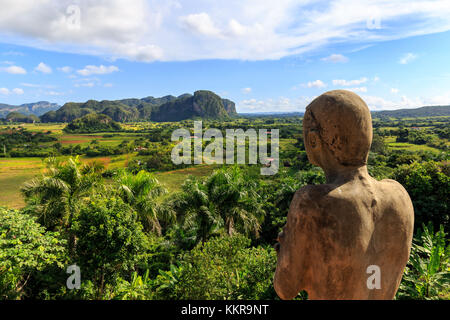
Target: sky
{"x":267,"y":56}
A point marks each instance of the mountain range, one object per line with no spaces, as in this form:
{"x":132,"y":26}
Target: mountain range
{"x":202,"y":104}
{"x":429,"y":111}
{"x":37,"y":108}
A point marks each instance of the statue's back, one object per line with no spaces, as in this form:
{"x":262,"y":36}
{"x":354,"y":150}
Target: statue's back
{"x":346,"y":229}
{"x":342,"y":236}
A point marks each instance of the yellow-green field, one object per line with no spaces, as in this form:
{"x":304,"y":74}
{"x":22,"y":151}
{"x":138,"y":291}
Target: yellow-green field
{"x":16,"y":171}
{"x":411,"y":147}
{"x":173,"y":180}
{"x":112,"y":139}
{"x":54,"y":128}
{"x":408,"y":146}
{"x":13,"y":173}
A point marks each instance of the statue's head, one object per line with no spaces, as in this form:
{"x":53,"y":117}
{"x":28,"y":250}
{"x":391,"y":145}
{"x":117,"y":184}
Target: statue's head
{"x":337,"y":129}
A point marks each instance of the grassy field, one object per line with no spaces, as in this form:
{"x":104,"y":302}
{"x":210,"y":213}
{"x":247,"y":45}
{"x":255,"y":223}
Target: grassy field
{"x":408,"y":146}
{"x":412,"y":147}
{"x":13,"y":173}
{"x":16,"y":171}
{"x":111,"y":139}
{"x":173,"y":180}
{"x":54,"y":128}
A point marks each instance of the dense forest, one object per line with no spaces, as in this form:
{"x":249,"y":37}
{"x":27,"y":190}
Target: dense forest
{"x":140,"y":231}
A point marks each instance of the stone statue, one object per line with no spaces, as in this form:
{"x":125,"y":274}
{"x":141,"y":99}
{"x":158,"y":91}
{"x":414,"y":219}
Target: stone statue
{"x":351,"y":237}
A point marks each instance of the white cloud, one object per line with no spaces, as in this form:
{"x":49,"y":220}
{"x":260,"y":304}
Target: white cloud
{"x":14,"y":70}
{"x":65,"y":69}
{"x":394,"y":90}
{"x":405,"y":102}
{"x":13,"y":53}
{"x":282,"y":104}
{"x":108,"y":85}
{"x":237,"y":29}
{"x":335,"y":58}
{"x":86,"y":84}
{"x":18,"y":91}
{"x":407,"y":58}
{"x":200,"y":23}
{"x":112,"y":27}
{"x":42,"y":67}
{"x":443,"y":99}
{"x":316,"y":84}
{"x":246,"y":90}
{"x":54,"y":93}
{"x":90,"y":69}
{"x":341,"y":82}
{"x":30,"y":85}
{"x":180,"y":30}
{"x":6,"y":91}
{"x":358,"y":89}
{"x":33,"y":85}
{"x":143,"y":53}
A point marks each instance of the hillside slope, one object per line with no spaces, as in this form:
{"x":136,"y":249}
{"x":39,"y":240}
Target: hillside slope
{"x":430,"y":111}
{"x":92,"y":123}
{"x":20,"y":117}
{"x":35,"y":108}
{"x":203,"y":104}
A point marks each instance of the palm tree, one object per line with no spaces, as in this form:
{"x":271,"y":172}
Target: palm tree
{"x":235,"y":197}
{"x":140,"y":192}
{"x":226,"y":199}
{"x":197,"y":211}
{"x":56,"y":195}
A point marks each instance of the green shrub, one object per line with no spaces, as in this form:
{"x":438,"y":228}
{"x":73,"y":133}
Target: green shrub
{"x":25,"y":248}
{"x":110,"y":241}
{"x":427,"y":275}
{"x":428,"y":185}
{"x":225,"y":268}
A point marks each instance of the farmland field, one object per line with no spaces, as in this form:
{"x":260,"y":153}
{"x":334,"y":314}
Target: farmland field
{"x":13,"y":173}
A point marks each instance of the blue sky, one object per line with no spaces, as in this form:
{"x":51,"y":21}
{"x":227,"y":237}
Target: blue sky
{"x":264,"y":55}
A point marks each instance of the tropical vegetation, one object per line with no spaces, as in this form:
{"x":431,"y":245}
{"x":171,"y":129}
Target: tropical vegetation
{"x":140,"y":227}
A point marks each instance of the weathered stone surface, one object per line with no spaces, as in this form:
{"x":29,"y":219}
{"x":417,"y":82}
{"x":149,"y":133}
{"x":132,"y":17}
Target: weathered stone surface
{"x":335,"y":231}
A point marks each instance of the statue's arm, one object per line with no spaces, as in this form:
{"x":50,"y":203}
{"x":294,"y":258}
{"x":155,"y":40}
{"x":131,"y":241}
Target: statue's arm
{"x":296,"y":245}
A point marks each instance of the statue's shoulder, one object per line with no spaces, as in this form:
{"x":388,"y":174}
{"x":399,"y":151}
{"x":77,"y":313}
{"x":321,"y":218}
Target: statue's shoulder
{"x":311,"y":197}
{"x":393,"y":192}
{"x":391,"y":185}
{"x":315,"y":191}
{"x":328,"y":199}
{"x":392,"y":189}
